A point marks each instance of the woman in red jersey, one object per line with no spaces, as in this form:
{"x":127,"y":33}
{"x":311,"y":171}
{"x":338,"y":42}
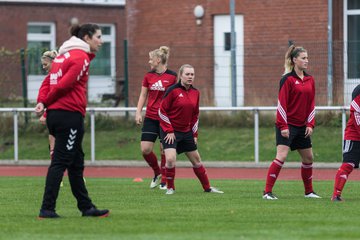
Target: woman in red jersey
{"x":154,"y":85}
{"x":46,"y":61}
{"x":179,"y":118}
{"x":295,"y":120}
{"x":351,"y":147}
{"x":63,"y":95}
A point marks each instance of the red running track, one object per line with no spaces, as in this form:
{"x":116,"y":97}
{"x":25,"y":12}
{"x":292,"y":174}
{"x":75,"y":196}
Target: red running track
{"x":144,"y":172}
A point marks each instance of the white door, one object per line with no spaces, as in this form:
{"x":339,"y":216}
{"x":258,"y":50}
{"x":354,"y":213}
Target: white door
{"x":222,"y":54}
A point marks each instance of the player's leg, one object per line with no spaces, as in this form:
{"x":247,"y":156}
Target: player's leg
{"x":149,"y":135}
{"x":351,"y":158}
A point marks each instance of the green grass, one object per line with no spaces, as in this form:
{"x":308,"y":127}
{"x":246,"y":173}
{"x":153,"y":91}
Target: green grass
{"x":140,"y":213}
{"x":225,"y":144}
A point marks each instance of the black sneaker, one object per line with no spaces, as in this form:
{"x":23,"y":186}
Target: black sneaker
{"x":47,"y":214}
{"x":94,"y":212}
{"x":336,"y":198}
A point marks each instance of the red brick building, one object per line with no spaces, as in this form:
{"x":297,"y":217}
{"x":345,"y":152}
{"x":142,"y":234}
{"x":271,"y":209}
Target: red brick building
{"x":263,"y":30}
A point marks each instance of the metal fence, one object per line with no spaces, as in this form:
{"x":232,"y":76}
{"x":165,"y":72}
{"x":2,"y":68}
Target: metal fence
{"x":92,"y":112}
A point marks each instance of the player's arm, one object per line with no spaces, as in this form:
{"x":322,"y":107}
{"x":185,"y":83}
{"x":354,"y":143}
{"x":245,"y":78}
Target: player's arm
{"x":141,"y":102}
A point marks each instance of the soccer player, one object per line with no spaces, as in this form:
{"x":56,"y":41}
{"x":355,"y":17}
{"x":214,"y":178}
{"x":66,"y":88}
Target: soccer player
{"x":46,"y":61}
{"x":154,"y":85}
{"x":295,"y":120}
{"x":179,"y":113}
{"x":351,"y":147}
{"x":63,"y":95}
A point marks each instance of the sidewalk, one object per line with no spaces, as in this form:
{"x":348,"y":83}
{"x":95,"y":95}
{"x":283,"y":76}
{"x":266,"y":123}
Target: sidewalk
{"x":185,"y":164}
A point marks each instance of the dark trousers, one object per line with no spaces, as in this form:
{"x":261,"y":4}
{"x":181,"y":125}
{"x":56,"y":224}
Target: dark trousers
{"x":68,"y":129}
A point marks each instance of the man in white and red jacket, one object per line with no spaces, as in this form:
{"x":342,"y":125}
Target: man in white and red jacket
{"x":63,"y":95}
{"x":351,"y":147}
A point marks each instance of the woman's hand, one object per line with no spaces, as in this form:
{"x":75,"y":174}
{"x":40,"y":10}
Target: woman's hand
{"x":170,"y":138}
{"x":285,"y":133}
{"x":42,"y":120}
{"x":308,"y":132}
{"x":138,"y":118}
{"x":39,"y":109}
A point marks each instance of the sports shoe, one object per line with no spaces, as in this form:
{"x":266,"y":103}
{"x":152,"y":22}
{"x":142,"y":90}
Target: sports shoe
{"x":94,"y":212}
{"x":170,"y":191}
{"x":269,"y":196}
{"x":47,"y":214}
{"x":312,"y":195}
{"x":155,"y":181}
{"x":336,"y":198}
{"x":213,"y":190}
{"x":162,"y":186}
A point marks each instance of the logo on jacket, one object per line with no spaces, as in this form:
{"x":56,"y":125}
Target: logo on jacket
{"x":54,"y":77}
{"x":181,"y":95}
{"x":157,"y":86}
{"x":297,"y":82}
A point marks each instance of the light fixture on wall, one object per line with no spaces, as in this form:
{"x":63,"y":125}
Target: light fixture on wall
{"x":199,"y":14}
{"x":74,"y":21}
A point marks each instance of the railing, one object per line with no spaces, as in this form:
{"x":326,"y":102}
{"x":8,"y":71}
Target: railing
{"x":92,"y":112}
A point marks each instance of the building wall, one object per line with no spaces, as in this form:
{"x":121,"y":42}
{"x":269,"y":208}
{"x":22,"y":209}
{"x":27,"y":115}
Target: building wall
{"x":14,"y":18}
{"x":268,"y":26}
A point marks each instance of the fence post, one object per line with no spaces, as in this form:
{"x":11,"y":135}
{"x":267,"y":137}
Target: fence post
{"x":256,"y":135}
{"x":92,"y":130}
{"x":126,"y":76}
{"x":16,"y":137}
{"x":24,"y":82}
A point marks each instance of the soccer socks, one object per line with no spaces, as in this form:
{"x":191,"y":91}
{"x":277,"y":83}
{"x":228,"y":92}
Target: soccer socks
{"x":170,"y":178}
{"x":163,"y":168}
{"x":201,"y":174}
{"x":273,"y":174}
{"x":152,"y":161}
{"x":306,"y":174}
{"x":341,"y":177}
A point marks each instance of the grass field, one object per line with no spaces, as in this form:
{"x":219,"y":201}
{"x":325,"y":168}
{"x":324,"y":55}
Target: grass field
{"x":226,"y":144}
{"x":140,"y":213}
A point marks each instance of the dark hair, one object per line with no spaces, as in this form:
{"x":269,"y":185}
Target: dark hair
{"x":83,"y":30}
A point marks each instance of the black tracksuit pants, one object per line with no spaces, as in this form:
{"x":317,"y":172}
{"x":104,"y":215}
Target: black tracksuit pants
{"x":68,"y":129}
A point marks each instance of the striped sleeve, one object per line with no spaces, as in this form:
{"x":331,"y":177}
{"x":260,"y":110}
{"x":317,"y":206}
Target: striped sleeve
{"x":311,"y":115}
{"x":281,"y":113}
{"x":165,"y":105}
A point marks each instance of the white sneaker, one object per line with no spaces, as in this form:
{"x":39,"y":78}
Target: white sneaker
{"x":269,"y":196}
{"x":162,"y":186}
{"x":170,"y":191}
{"x":213,"y":190}
{"x":312,"y":195}
{"x":155,"y":181}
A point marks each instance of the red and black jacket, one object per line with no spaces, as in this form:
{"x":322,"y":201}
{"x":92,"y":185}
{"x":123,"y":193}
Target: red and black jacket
{"x":352,"y":130}
{"x":179,"y":110}
{"x":296,"y":101}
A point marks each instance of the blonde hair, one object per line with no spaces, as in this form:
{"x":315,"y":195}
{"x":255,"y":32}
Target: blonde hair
{"x":50,"y":54}
{"x":181,"y":70}
{"x":291,"y":53}
{"x":163,"y":53}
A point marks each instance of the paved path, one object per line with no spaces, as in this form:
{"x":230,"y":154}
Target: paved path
{"x":138,"y":169}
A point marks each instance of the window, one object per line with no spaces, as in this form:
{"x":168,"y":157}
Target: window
{"x":40,"y":38}
{"x":104,"y":63}
{"x":353,"y":46}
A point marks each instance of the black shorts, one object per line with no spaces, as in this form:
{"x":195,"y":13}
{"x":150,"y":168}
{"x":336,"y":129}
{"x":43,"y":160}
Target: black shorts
{"x":351,"y":152}
{"x":184,"y":142}
{"x":296,"y":138}
{"x":150,"y":130}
